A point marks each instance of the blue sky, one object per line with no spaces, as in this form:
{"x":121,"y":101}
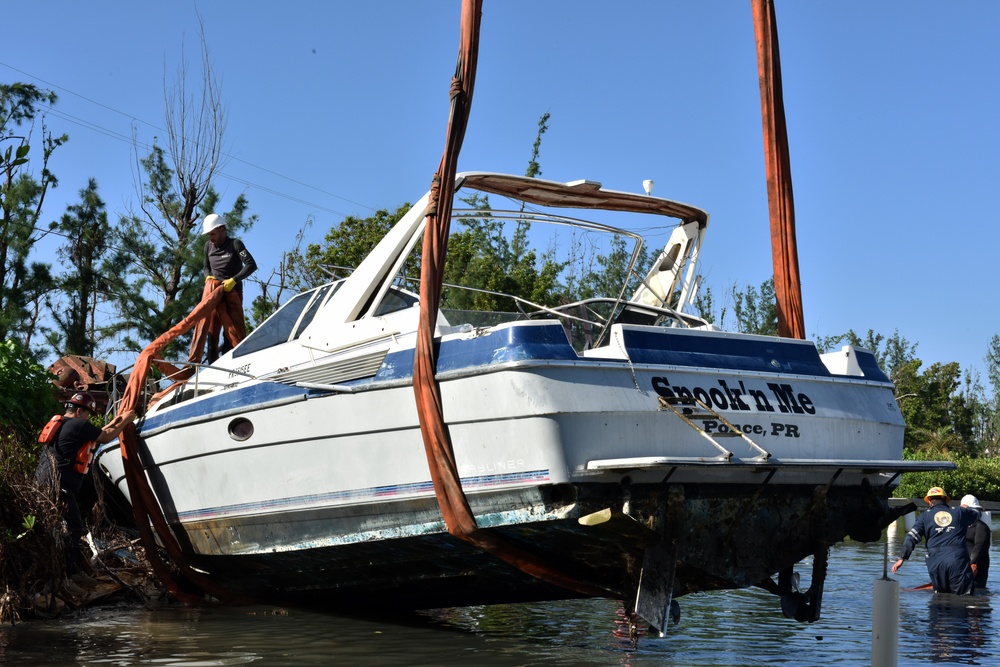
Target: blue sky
{"x":340,"y":108}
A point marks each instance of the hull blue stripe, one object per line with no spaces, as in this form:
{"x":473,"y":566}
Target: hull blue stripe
{"x":645,"y":346}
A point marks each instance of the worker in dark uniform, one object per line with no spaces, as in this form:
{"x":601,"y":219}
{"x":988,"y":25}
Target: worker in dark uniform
{"x":72,"y":439}
{"x":944,"y":528}
{"x":227,"y":261}
{"x":977,"y":540}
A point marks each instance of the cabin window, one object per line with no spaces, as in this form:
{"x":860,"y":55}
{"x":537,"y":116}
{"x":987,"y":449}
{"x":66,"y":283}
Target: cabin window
{"x":293,"y":316}
{"x":396,"y":299}
{"x":310,"y":313}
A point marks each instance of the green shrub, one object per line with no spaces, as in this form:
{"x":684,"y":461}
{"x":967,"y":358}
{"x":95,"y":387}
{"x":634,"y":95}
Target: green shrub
{"x":27,"y":401}
{"x":980,"y":477}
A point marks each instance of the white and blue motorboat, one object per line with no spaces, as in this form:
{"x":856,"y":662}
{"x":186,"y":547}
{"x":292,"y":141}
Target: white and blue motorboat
{"x":622,"y":440}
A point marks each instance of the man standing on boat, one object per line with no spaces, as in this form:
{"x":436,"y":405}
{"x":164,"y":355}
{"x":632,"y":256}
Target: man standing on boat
{"x":227,"y":261}
{"x":944,"y":528}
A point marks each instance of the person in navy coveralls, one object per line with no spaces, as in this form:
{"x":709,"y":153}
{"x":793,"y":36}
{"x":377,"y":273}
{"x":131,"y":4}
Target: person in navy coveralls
{"x":944,"y":528}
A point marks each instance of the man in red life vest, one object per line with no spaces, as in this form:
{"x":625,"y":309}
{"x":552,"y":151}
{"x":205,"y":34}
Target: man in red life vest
{"x":228,"y":261}
{"x":73,"y":438}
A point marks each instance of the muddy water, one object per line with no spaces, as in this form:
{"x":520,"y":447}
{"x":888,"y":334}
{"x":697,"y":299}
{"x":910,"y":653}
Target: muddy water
{"x":730,"y":628}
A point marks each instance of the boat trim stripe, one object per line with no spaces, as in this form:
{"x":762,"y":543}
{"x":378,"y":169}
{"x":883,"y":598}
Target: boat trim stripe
{"x":370,"y":494}
{"x":864,"y":465}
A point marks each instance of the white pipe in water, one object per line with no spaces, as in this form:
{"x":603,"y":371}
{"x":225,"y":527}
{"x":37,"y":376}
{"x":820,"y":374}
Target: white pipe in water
{"x":885,"y":623}
{"x":885,"y":619}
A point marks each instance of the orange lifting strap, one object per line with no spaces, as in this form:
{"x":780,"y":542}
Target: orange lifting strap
{"x":451,"y":498}
{"x":145,"y":508}
{"x":781,"y":206}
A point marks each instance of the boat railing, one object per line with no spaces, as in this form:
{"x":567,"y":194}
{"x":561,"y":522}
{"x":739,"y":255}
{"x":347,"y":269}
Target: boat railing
{"x":592,"y":316}
{"x":185,"y":383}
{"x":530,"y":216}
{"x":587,"y":321}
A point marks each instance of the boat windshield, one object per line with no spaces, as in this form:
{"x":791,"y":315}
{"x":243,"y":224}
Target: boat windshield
{"x":287,"y":322}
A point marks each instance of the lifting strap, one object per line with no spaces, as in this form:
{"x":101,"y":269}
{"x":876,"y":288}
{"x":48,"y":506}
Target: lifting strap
{"x":145,"y":507}
{"x":780,"y":203}
{"x":454,"y":506}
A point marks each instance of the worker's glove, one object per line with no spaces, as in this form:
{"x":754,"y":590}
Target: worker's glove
{"x":228,"y":284}
{"x":210,"y":278}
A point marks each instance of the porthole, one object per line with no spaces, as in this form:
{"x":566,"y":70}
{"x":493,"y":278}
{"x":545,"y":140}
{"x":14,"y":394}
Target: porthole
{"x":240,"y":428}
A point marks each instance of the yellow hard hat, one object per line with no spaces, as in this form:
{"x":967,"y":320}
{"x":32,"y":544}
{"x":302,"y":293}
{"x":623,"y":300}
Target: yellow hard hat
{"x":936,"y":492}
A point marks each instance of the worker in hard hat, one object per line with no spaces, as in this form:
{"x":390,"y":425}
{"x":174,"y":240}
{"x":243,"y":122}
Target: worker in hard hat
{"x":944,"y":528}
{"x":977,"y":540}
{"x":70,"y":440}
{"x":227,"y":261}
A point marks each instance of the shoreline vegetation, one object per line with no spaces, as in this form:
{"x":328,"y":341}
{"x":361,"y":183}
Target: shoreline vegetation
{"x":33,"y":582}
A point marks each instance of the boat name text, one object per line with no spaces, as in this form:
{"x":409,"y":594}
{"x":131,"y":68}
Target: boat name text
{"x":739,"y":397}
{"x":242,"y":370}
{"x":777,"y":429}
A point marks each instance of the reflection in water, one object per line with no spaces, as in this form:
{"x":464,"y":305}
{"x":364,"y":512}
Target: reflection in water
{"x":730,"y":628}
{"x":957,"y":628}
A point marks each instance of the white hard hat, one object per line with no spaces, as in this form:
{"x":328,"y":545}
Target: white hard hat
{"x":211,"y":222}
{"x":971,"y":501}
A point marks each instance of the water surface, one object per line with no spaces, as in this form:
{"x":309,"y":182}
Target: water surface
{"x":730,"y":628}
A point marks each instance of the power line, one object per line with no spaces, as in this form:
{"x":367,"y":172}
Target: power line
{"x":242,"y":181}
{"x":129,"y":140}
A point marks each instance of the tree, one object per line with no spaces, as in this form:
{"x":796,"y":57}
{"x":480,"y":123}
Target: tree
{"x":481,"y":256}
{"x":756,"y":312}
{"x":940,"y":418}
{"x":344,"y":247}
{"x":991,"y":407}
{"x":980,"y":411}
{"x":159,"y":244}
{"x":22,"y":284}
{"x":85,"y":228}
{"x":264,"y":305}
{"x":936,"y":416}
{"x":607,"y":272}
{"x":993,"y":363}
{"x":26,"y":402}
{"x":704,"y":304}
{"x":534,"y":169}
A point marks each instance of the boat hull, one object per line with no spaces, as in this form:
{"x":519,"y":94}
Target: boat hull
{"x":331,"y":498}
{"x":726,"y":536}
